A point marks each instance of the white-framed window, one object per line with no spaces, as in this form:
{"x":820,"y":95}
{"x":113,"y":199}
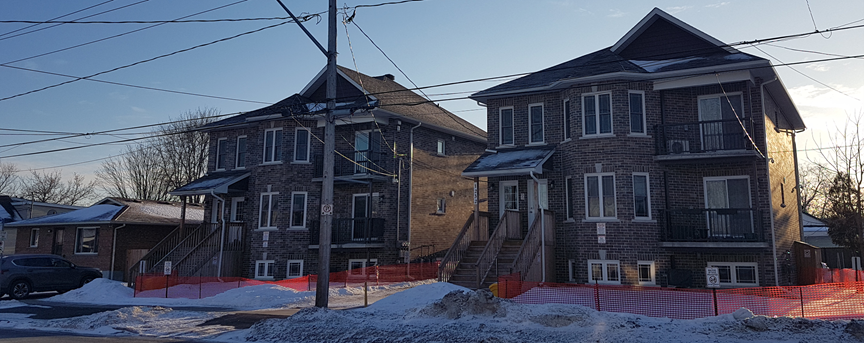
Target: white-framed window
{"x":535,"y":124}
{"x":298,"y":210}
{"x":571,"y":270}
{"x":367,"y":151}
{"x":505,"y":123}
{"x":87,"y":240}
{"x":509,"y":193}
{"x":718,"y":117}
{"x":264,"y":269}
{"x":301,"y":145}
{"x":240,"y":158}
{"x":221,"y":153}
{"x":646,"y":272}
{"x":728,"y":192}
{"x":600,"y":195}
{"x":273,"y":145}
{"x":358,"y":266}
{"x":637,"y":112}
{"x":641,"y":196}
{"x":441,"y":148}
{"x":568,"y":197}
{"x":604,"y":272}
{"x":269,"y":210}
{"x":295,"y":269}
{"x":737,"y":274}
{"x":34,"y":238}
{"x":597,"y":114}
{"x":567,"y":119}
{"x":441,"y":206}
{"x":237,"y":208}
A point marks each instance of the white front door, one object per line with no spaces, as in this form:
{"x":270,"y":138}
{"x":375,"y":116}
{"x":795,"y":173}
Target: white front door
{"x":533,"y":191}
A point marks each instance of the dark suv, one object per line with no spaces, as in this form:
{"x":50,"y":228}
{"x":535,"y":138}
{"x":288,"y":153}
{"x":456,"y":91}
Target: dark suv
{"x":22,"y":274}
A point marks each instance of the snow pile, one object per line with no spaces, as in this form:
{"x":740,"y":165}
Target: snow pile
{"x":148,"y":321}
{"x":98,"y":291}
{"x":11,"y":304}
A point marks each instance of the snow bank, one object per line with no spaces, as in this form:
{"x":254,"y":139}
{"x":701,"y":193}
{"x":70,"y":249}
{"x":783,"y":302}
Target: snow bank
{"x":147,"y":321}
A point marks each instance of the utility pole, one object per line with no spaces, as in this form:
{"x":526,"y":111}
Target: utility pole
{"x":322,"y":287}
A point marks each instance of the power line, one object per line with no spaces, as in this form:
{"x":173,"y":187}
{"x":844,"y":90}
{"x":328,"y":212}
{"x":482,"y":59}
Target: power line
{"x":92,"y":15}
{"x":36,"y":23}
{"x":808,"y":76}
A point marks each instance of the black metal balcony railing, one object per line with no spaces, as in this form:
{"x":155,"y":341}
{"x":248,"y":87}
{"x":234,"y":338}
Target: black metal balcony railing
{"x":351,"y":230}
{"x":712,"y":225}
{"x":704,"y":136}
{"x":357,"y":163}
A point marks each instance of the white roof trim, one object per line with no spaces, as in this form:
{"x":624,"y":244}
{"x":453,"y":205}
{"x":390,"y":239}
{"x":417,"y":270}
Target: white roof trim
{"x":320,"y":79}
{"x":651,"y":17}
{"x":731,"y":76}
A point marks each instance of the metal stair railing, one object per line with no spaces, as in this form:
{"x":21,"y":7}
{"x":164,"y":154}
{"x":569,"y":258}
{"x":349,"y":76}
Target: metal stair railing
{"x":158,"y":253}
{"x":454,"y":255}
{"x":508,"y":228}
{"x":524,"y":263}
{"x":200,"y":254}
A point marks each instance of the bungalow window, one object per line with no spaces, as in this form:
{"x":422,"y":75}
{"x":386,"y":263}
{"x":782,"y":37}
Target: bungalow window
{"x":86,"y":240}
{"x":645,"y":269}
{"x":600,"y":195}
{"x":264,"y":269}
{"x":34,"y":238}
{"x":295,"y":269}
{"x":637,"y":112}
{"x":737,"y":274}
{"x":240,"y":159}
{"x":597,"y":112}
{"x":298,"y":210}
{"x":273,"y":145}
{"x":301,"y":145}
{"x":567,"y":117}
{"x":535,"y":112}
{"x":506,"y":123}
{"x":604,"y":271}
{"x":221,"y":153}
{"x":269,"y":210}
{"x":641,"y":196}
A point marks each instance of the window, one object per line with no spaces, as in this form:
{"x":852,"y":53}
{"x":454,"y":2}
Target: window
{"x":737,"y":274}
{"x":568,"y":188}
{"x":272,"y":145}
{"x":295,"y":269}
{"x":269,"y":210}
{"x":301,"y":145}
{"x":441,"y":206}
{"x":221,"y":153}
{"x":641,"y":196}
{"x":298,"y":210}
{"x":731,"y":193}
{"x":441,"y":150}
{"x":264,"y":269}
{"x":718,"y":117}
{"x":597,"y":112}
{"x":237,"y":207}
{"x":367,"y":151}
{"x":86,"y":240}
{"x":535,"y":112}
{"x":571,"y":270}
{"x":34,"y":238}
{"x":646,"y":272}
{"x":240,"y":159}
{"x":506,"y":123}
{"x":567,"y":119}
{"x":600,"y":195}
{"x":604,"y":271}
{"x":637,"y":112}
{"x":509,"y":196}
{"x":358,"y":266}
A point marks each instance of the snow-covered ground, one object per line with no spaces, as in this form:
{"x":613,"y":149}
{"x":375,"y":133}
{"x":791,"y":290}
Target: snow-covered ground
{"x":430,"y":312}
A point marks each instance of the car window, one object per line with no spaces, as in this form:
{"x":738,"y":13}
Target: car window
{"x":62,"y":263}
{"x":24,"y":262}
{"x":42,"y":262}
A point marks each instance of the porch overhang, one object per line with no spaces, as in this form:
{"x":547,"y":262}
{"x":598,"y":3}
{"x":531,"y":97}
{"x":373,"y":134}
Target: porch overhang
{"x":510,"y":162}
{"x":219,"y":182}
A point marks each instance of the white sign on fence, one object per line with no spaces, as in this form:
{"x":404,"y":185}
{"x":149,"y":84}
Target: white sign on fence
{"x":167,"y":270}
{"x":712,"y":277}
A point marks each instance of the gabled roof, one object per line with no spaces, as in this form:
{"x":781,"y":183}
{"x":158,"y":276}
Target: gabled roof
{"x":121,"y":211}
{"x":8,"y":213}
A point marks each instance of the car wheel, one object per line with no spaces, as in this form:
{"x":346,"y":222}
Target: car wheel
{"x":19,"y":290}
{"x":86,"y":280}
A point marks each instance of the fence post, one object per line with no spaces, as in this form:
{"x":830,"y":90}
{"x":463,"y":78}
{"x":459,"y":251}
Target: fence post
{"x":597,"y":295}
{"x":166,"y":286}
{"x":199,"y":286}
{"x":716,"y":312}
{"x":801,"y":292}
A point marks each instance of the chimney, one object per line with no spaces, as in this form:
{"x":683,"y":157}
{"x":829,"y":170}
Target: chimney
{"x":386,"y":77}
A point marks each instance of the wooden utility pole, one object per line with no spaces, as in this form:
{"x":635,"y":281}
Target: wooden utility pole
{"x":322,"y":287}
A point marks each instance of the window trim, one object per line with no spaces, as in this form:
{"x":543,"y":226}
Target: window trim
{"x":288,"y":269}
{"x":630,"y":115}
{"x":653,"y":272}
{"x":441,"y":148}
{"x":600,"y":193}
{"x":605,"y":271}
{"x":647,"y":194}
{"x":234,"y":201}
{"x":733,"y":277}
{"x":268,"y":267}
{"x":34,"y":237}
{"x":501,"y":185}
{"x":308,"y":146}
{"x":441,"y":206}
{"x":221,"y":153}
{"x":371,"y":261}
{"x":275,"y":159}
{"x":726,"y":178}
{"x":597,"y":113}
{"x":568,"y":125}
{"x":512,"y":127}
{"x":305,"y":210}
{"x":271,"y":225}
{"x":542,"y":124}
{"x":237,"y":157}
{"x":741,"y":116}
{"x":79,"y":246}
{"x":568,"y":199}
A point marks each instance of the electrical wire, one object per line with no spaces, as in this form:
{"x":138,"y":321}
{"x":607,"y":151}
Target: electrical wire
{"x":92,"y":15}
{"x":808,"y":76}
{"x":37,"y":23}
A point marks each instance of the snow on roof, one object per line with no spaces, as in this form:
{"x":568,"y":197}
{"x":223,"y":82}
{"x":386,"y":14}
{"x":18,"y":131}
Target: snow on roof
{"x":95,"y":213}
{"x":515,"y":160}
{"x":120,"y":210}
{"x":216,"y":182}
{"x":653,"y":66}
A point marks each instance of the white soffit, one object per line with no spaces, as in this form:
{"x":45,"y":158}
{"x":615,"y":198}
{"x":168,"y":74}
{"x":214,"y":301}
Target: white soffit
{"x":701,"y":80}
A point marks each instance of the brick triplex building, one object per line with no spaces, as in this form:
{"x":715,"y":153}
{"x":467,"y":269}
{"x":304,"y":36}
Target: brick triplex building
{"x":398,"y":191}
{"x":659,"y":156}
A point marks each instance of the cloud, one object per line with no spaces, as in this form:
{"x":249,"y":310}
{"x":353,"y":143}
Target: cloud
{"x":717,"y":5}
{"x":825,"y":98}
{"x":138,"y":109}
{"x":818,"y":67}
{"x":616,"y":13}
{"x":677,"y":9}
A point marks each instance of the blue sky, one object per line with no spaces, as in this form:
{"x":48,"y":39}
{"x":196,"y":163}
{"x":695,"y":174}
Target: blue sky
{"x":433,"y":41}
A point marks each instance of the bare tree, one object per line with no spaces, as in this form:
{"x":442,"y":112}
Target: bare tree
{"x":49,"y":187}
{"x":846,"y":164}
{"x":8,"y":178}
{"x":815,"y":180}
{"x":138,"y":174}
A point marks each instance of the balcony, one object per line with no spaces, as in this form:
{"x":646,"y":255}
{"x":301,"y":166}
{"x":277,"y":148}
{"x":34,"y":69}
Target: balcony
{"x":712,"y":228}
{"x":357,"y":166}
{"x":351,"y":232}
{"x":705,"y":139}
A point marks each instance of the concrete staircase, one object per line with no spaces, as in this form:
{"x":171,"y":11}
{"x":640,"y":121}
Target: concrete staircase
{"x":466,"y":272}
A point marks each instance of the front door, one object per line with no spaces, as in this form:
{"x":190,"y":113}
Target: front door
{"x":57,"y":247}
{"x":359,"y":213}
{"x":533,"y":205}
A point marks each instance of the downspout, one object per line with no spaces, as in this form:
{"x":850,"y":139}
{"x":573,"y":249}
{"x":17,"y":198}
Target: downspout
{"x":542,"y":229}
{"x":770,"y":201}
{"x":221,"y":234}
{"x":411,"y":185}
{"x":114,"y":250}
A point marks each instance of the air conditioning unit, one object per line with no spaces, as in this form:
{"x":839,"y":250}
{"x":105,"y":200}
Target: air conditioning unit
{"x":678,"y":146}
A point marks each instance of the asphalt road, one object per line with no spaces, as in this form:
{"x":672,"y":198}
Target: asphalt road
{"x":36,"y":336}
